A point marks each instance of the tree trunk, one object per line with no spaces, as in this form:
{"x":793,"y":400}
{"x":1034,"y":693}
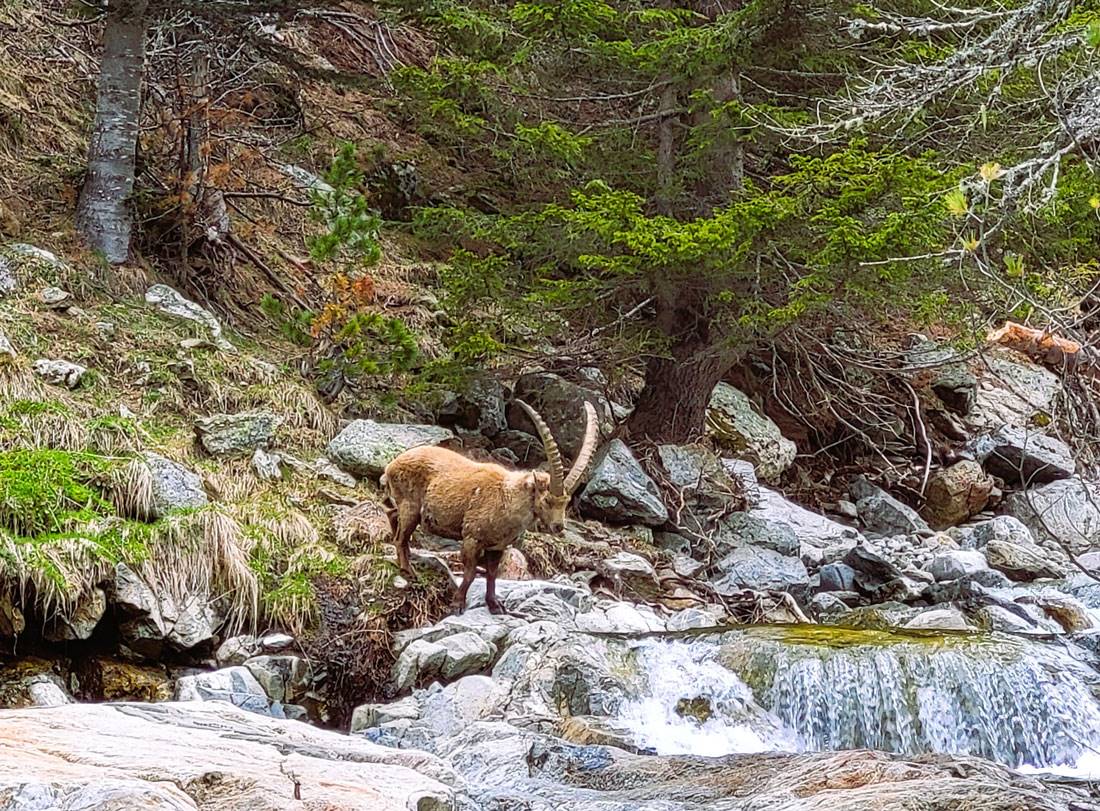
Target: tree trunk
{"x":103,"y":213}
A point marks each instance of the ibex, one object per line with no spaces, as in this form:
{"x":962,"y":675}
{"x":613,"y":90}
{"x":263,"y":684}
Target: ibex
{"x":486,"y":506}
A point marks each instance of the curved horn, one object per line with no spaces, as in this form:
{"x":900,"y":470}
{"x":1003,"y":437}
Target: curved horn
{"x":553,"y":455}
{"x":584,"y":458}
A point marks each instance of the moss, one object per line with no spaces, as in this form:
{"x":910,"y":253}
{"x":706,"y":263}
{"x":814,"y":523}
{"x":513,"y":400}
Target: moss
{"x":838,"y":636}
{"x":48,"y":491}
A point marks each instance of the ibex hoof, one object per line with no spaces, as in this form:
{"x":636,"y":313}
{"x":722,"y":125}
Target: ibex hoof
{"x":495,"y":607}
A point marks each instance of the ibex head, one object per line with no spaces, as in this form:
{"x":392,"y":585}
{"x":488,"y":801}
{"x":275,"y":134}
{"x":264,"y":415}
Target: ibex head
{"x":552,"y":490}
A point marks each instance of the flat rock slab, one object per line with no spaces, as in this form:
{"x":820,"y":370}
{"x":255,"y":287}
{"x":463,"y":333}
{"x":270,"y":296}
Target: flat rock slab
{"x":203,"y":756}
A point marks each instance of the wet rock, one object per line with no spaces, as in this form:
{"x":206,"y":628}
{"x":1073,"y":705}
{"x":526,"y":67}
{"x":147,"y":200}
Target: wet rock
{"x":175,"y":487}
{"x":168,"y":301}
{"x":1022,"y":561}
{"x":285,"y":679}
{"x":735,"y":424}
{"x":620,"y":491}
{"x":615,"y":617}
{"x":237,"y":434}
{"x":365,"y":447}
{"x":31,"y":682}
{"x":60,"y":372}
{"x":953,"y":565}
{"x":104,"y":678}
{"x":882,"y":514}
{"x":1020,"y":456}
{"x":757,"y":568}
{"x":632,"y":575}
{"x":481,"y":408}
{"x":82,"y":622}
{"x":561,"y":405}
{"x":1062,"y":514}
{"x":956,"y":493}
{"x":235,"y":685}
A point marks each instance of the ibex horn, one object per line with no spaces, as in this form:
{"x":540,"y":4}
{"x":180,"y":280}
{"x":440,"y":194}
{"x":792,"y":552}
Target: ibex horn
{"x":584,"y":458}
{"x":553,"y":455}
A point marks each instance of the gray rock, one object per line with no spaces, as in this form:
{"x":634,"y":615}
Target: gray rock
{"x":325,"y":469}
{"x":952,"y":381}
{"x":55,"y":298}
{"x":882,"y":514}
{"x":956,"y":564}
{"x":526,"y":448}
{"x":237,"y":434}
{"x":940,"y":619}
{"x":169,"y":302}
{"x":873,"y":571}
{"x":235,"y":685}
{"x":31,"y":683}
{"x":561,"y":405}
{"x":689,"y":618}
{"x":284,"y":678}
{"x":465,"y":653}
{"x":371,"y":715}
{"x":1024,"y":457}
{"x":828,"y":606}
{"x":365,"y":447}
{"x":631,"y":574}
{"x":702,"y":479}
{"x":82,"y":622}
{"x":237,"y":650}
{"x":60,"y":372}
{"x":481,"y":408}
{"x":757,"y":568}
{"x":420,"y":660}
{"x":747,"y":529}
{"x":1062,"y":514}
{"x":743,"y":472}
{"x":837,"y":577}
{"x":620,"y":491}
{"x":150,"y":619}
{"x":7,"y":349}
{"x":812,"y":529}
{"x":1022,"y":561}
{"x":735,"y":424}
{"x":175,"y":487}
{"x":266,"y":466}
{"x":1012,"y":393}
{"x":8,"y":281}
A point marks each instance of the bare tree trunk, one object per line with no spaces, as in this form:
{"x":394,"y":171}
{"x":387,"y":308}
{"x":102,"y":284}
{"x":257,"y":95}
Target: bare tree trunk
{"x":103,"y":214}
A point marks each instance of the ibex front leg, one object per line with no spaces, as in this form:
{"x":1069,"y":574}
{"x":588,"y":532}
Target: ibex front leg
{"x":492,"y":563}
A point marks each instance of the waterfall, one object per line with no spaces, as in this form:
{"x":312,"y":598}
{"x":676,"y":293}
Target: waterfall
{"x":794,"y":688}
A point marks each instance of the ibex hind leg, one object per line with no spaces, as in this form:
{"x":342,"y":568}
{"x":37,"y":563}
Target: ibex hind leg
{"x":404,"y":524}
{"x":492,"y":563}
{"x":469,"y":572}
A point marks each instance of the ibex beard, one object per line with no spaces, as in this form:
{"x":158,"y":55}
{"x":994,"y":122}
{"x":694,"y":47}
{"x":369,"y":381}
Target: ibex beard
{"x":485,"y":506}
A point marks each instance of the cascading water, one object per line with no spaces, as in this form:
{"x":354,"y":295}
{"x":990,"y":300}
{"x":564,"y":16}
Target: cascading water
{"x":819,"y":688}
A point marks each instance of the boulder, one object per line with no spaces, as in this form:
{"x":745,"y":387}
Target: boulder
{"x":939,"y":619}
{"x":60,"y":372}
{"x":235,"y":685}
{"x":837,"y":577}
{"x":480,"y":407}
{"x":632,"y":575}
{"x":1012,"y":391}
{"x":20,"y":261}
{"x":1022,"y":561}
{"x":465,"y":653}
{"x":175,"y":487}
{"x":183,"y":757}
{"x":956,"y":493}
{"x":561,"y":405}
{"x":1064,"y":514}
{"x":371,"y":715}
{"x":285,"y":679}
{"x":168,"y":301}
{"x":701,"y":477}
{"x":236,"y":650}
{"x":882,"y":514}
{"x":525,"y":448}
{"x":757,"y":568}
{"x":873,"y":571}
{"x":812,"y":529}
{"x":956,"y":564}
{"x":31,"y":682}
{"x":1024,"y":457}
{"x":365,"y":447}
{"x":1069,"y":612}
{"x":619,"y":490}
{"x":150,"y":619}
{"x":82,"y":621}
{"x":749,"y":529}
{"x":419,"y":660}
{"x":735,"y":424}
{"x":237,"y":434}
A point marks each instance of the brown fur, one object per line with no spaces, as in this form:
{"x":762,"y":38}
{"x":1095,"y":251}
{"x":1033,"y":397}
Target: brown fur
{"x":486,"y":506}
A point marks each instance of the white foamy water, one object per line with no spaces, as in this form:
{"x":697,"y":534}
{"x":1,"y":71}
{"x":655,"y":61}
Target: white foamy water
{"x":672,"y":672}
{"x":1023,"y":705}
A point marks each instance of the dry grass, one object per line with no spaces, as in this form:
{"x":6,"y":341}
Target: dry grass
{"x":130,"y":490}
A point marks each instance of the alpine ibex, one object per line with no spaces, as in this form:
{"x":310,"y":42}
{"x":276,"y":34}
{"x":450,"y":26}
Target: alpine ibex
{"x":486,"y":506}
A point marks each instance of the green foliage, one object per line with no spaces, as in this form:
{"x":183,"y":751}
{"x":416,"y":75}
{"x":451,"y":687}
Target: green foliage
{"x":352,"y":227}
{"x":44,"y":492}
